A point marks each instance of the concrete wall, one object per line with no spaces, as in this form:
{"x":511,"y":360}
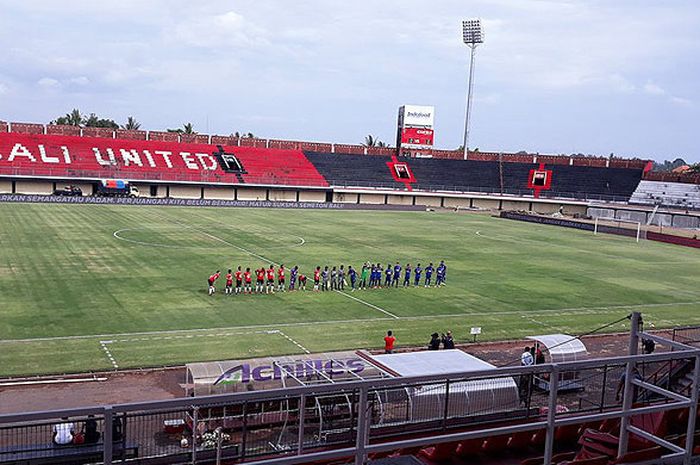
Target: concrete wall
{"x":372,"y":198}
{"x":185,"y":192}
{"x":514,"y":205}
{"x":282,"y":195}
{"x":686,"y":222}
{"x":344,"y":197}
{"x":250,"y":193}
{"x":662,"y":219}
{"x":486,"y":203}
{"x":631,"y":216}
{"x":312,"y":196}
{"x":573,"y":209}
{"x":545,"y":208}
{"x":219,"y":193}
{"x":33,"y":187}
{"x":400,"y":200}
{"x":429,"y":201}
{"x":451,"y":202}
{"x":5,"y":187}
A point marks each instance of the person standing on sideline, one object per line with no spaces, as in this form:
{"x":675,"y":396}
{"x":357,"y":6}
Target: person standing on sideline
{"x":397,"y":275}
{"x":525,"y":381}
{"x":434,"y":343}
{"x":417,"y":271}
{"x":447,"y":341}
{"x":407,"y":275}
{"x":212,"y":279}
{"x":389,"y":341}
{"x":353,"y":277}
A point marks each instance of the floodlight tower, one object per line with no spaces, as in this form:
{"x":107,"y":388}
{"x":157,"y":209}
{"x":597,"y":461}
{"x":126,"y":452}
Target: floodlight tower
{"x":472,"y":36}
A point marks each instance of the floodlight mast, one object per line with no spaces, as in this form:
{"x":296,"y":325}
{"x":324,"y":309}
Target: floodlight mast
{"x":472,"y":36}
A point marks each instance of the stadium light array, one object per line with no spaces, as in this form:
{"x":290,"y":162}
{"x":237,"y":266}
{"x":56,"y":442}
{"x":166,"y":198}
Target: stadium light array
{"x":472,"y":35}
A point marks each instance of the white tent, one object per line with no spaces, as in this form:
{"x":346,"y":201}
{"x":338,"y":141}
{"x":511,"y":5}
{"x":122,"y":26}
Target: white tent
{"x":558,"y":348}
{"x":473,"y":397}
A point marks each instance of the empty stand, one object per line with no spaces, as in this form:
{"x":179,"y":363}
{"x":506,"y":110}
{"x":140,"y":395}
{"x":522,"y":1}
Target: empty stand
{"x":669,"y":194}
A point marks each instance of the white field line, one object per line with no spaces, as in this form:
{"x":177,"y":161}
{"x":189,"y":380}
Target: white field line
{"x":368,"y":304}
{"x":534,"y":313}
{"x":108,"y":353}
{"x":294,"y":342}
{"x":538,"y":322}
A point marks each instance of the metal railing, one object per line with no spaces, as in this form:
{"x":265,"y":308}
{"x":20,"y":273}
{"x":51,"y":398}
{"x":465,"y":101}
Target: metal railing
{"x":367,"y":417}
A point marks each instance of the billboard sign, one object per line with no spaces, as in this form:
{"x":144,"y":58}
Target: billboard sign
{"x":417,"y":115}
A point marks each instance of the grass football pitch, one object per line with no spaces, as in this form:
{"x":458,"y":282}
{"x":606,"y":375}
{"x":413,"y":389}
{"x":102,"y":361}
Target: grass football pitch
{"x":92,"y":287}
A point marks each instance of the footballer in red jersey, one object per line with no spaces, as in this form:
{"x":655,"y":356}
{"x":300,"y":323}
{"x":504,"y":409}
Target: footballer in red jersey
{"x":260,"y":283}
{"x":302,"y":282}
{"x":239,"y":280}
{"x":317,"y":277}
{"x":212,"y":279}
{"x":270,"y":280}
{"x":248,"y":281}
{"x":229,"y":283}
{"x":280,"y":278}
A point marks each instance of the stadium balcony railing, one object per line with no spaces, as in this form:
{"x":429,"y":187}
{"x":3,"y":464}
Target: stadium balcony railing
{"x":436,"y":417}
{"x":34,"y":128}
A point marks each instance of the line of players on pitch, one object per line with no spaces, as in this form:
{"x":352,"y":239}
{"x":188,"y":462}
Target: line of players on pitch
{"x":334,"y":279}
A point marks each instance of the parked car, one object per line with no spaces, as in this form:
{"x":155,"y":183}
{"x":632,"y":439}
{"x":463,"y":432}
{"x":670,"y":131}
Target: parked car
{"x":69,"y":191}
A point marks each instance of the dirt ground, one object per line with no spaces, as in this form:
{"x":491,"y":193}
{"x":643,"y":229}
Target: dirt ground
{"x":144,"y":385}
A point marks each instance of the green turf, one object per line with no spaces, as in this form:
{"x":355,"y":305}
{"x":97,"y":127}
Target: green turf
{"x":63,"y":273}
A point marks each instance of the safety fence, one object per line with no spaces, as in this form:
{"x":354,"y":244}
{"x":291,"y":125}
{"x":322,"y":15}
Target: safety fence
{"x":358,"y":419}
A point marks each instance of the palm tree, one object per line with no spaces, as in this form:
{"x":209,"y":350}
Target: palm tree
{"x":188,"y":129}
{"x":131,"y":124}
{"x":74,"y":118}
{"x":371,"y":141}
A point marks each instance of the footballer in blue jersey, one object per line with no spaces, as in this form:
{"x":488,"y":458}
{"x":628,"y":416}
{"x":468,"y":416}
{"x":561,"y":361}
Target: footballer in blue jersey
{"x":293,"y":277}
{"x":397,"y":275}
{"x":352,"y":274}
{"x":407,"y":275}
{"x":417,"y":272}
{"x":388,"y":273}
{"x":441,"y":271}
{"x":429,"y":274}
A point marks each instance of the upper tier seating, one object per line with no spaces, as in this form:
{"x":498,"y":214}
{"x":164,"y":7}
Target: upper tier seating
{"x":97,"y":158}
{"x":670,"y":194}
{"x":478,"y":176}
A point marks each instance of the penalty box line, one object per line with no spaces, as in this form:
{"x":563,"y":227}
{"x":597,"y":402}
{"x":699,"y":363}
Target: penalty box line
{"x":105,"y":344}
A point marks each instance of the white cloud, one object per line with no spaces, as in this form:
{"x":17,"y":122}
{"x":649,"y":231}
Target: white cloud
{"x":79,"y":80}
{"x":48,"y":83}
{"x":656,"y":90}
{"x":3,"y":88}
{"x":220,"y":31}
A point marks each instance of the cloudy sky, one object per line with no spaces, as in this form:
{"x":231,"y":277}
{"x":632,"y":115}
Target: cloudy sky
{"x":554,"y":76}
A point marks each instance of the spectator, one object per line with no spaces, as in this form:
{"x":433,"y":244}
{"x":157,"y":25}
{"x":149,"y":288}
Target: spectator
{"x":117,"y":429}
{"x":63,"y":432}
{"x":526,"y":358}
{"x":539,"y":356}
{"x":635,"y":388}
{"x":90,"y":432}
{"x":389,"y":341}
{"x":447,"y":341}
{"x":434,"y":343}
{"x":648,"y":346}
